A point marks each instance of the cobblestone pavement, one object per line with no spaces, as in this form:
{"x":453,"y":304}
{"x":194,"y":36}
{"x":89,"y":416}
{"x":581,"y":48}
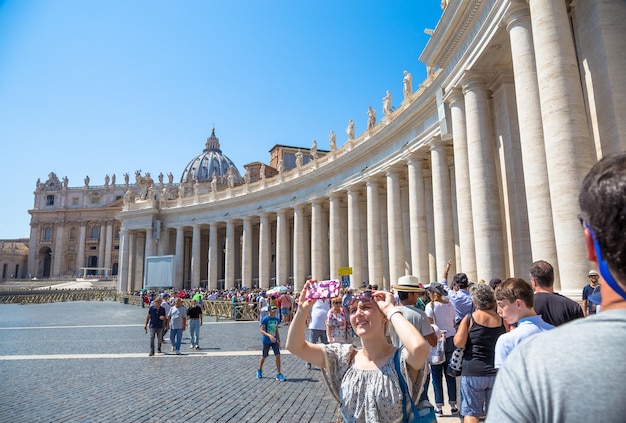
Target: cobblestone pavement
{"x":88,"y":362}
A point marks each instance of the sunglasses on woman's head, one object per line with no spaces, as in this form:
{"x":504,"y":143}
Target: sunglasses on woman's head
{"x":363,"y":296}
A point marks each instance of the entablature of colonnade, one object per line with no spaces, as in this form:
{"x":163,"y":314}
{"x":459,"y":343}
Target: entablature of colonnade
{"x":470,"y":35}
{"x":410,"y":128}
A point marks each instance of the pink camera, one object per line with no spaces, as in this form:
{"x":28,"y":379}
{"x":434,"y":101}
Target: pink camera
{"x":323,"y":290}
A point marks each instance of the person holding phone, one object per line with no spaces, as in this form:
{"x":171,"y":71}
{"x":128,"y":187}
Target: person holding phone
{"x":365,"y":381}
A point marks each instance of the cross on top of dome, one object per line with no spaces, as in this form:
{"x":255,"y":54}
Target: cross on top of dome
{"x":213,"y":143}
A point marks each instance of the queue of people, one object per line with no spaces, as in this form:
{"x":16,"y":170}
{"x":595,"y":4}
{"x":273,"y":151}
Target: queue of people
{"x":521,"y":344}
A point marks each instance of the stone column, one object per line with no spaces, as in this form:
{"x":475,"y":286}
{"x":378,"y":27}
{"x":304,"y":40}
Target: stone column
{"x":442,"y":206}
{"x":101,"y":244}
{"x":149,"y":249}
{"x":123,"y":261}
{"x":318,"y":249}
{"x":108,"y":247}
{"x":375,"y":261}
{"x":483,"y":180}
{"x":59,"y":241}
{"x":465,"y":224}
{"x":418,"y":225}
{"x":140,"y":256}
{"x":196,"y":248}
{"x":265,"y":252}
{"x":335,"y":247}
{"x":532,"y":146}
{"x":515,"y":211}
{"x":80,"y":258}
{"x":212,"y":270}
{"x":298,"y":245}
{"x":179,"y":260}
{"x":569,"y":151}
{"x":282,"y":248}
{"x":34,"y":242}
{"x":246,"y":252}
{"x":354,"y":237}
{"x":132,"y":263}
{"x":394,"y":226}
{"x":230,"y":255}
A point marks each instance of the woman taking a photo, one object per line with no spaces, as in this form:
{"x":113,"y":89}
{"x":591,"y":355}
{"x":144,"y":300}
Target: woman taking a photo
{"x":365,"y":381}
{"x":478,"y":333}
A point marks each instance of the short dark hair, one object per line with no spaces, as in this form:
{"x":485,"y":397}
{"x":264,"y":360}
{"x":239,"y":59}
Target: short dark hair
{"x":461,"y":280}
{"x":516,"y":289}
{"x":543,"y":273}
{"x":403,"y":295}
{"x":602,"y":202}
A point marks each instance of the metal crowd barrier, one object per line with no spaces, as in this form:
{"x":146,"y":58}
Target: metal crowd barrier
{"x":220,"y":309}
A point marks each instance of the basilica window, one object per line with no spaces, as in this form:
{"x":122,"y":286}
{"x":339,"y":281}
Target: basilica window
{"x":50,"y":200}
{"x":94,"y":232}
{"x":47,"y":234}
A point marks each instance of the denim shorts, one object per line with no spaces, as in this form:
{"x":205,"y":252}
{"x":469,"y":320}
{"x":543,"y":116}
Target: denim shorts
{"x":475,"y":394}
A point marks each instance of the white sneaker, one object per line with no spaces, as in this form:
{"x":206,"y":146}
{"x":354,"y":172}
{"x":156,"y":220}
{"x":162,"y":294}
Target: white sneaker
{"x":191,"y":347}
{"x":197,"y":347}
{"x":173,"y":349}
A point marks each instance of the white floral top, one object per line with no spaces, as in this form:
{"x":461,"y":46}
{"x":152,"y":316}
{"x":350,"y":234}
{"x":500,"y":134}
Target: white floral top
{"x":366,"y":395}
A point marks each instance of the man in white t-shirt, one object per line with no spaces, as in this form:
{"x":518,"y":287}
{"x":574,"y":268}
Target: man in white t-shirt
{"x":408,"y":291}
{"x":317,"y":323}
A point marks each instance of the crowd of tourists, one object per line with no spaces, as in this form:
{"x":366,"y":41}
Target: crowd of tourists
{"x":515,"y":346}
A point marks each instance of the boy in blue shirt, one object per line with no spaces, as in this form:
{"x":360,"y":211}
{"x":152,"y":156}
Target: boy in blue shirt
{"x":515,"y":299}
{"x":270,"y":338}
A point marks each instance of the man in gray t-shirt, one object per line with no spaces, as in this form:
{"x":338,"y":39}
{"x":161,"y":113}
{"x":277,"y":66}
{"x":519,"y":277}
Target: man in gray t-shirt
{"x":575,"y":373}
{"x":177,"y":318}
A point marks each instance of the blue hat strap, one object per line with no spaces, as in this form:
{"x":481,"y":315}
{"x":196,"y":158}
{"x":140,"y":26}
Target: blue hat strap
{"x":603,"y":267}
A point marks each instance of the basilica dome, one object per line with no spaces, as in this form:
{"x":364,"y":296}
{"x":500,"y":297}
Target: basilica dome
{"x":210,"y":161}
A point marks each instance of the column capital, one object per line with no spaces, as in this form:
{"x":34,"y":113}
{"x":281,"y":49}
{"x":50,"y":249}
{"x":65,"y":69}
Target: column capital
{"x":416,"y":156}
{"x":519,"y":12}
{"x":503,"y":76}
{"x":453,"y":95}
{"x":473,"y":81}
{"x":437,"y":143}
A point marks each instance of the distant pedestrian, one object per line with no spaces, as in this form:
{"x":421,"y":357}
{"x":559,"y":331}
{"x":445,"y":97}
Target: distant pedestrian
{"x":589,"y":307}
{"x":156,"y":318}
{"x":270,"y":339}
{"x":317,"y":323}
{"x":195,"y":321}
{"x":166,"y":305}
{"x":177,"y":319}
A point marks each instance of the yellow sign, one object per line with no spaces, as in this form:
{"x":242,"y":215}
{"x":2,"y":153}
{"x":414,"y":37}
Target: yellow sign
{"x":344,"y":271}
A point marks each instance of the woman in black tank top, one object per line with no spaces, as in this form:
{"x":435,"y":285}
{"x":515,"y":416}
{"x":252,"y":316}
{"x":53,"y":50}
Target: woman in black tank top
{"x":478,"y":333}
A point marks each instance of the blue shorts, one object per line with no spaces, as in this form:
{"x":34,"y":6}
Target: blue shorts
{"x":475,"y":394}
{"x":275,"y":348}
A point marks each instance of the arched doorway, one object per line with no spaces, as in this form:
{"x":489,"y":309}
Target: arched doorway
{"x":45,"y":262}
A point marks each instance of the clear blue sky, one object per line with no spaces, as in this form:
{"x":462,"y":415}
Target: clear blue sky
{"x":106,"y":87}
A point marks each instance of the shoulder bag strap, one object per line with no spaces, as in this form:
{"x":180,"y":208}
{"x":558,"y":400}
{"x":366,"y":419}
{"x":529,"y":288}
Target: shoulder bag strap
{"x":405,"y":389}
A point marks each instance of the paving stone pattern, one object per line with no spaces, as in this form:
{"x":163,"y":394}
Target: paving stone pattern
{"x":129,"y":386}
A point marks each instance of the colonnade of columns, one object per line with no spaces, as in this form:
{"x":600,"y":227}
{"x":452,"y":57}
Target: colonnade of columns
{"x":496,"y":193}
